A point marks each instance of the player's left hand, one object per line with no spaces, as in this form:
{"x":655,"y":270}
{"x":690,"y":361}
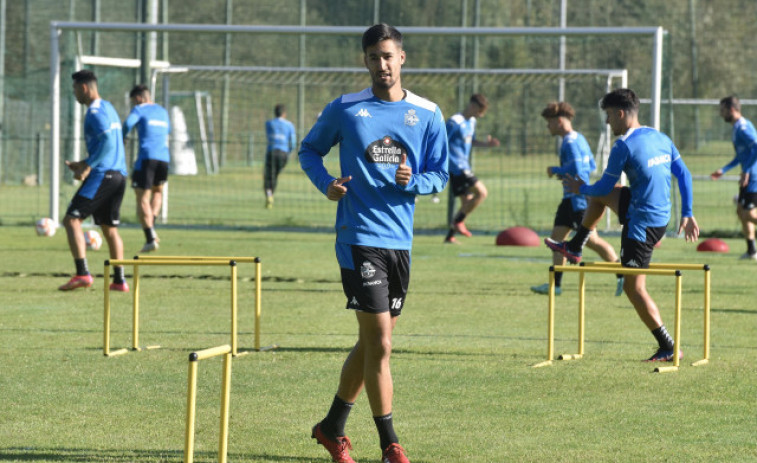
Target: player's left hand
{"x":404,"y":172}
{"x":690,"y":228}
{"x":572,"y":184}
{"x":744,"y":180}
{"x":491,"y":141}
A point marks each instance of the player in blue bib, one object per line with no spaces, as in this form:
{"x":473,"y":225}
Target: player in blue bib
{"x":151,"y":168}
{"x":281,"y":141}
{"x":461,"y":136}
{"x":576,"y":160}
{"x":103,"y":176}
{"x":648,"y":157}
{"x":392,"y":147}
{"x":745,"y":144}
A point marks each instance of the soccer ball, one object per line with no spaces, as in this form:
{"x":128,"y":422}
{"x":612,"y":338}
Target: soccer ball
{"x":93,"y":239}
{"x":45,"y":227}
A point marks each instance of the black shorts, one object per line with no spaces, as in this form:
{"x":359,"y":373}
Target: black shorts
{"x":105,"y":206}
{"x":151,"y":173}
{"x":566,"y":216}
{"x":747,"y":200}
{"x":623,"y":203}
{"x":378,"y":279}
{"x":637,"y":254}
{"x":460,"y":184}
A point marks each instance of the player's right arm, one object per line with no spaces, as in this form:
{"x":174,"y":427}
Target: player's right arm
{"x":317,"y":144}
{"x":130,"y":122}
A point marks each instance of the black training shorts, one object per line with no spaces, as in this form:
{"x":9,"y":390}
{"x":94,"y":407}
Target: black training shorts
{"x":105,"y":206}
{"x":377,"y":279}
{"x":151,"y":173}
{"x":460,"y":184}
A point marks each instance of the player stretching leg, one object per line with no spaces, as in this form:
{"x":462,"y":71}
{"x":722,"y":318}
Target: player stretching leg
{"x":648,"y":157}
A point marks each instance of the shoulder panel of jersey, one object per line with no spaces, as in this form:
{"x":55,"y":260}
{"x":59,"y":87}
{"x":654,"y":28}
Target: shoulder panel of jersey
{"x":571,"y":137}
{"x":95,"y":106}
{"x":419,"y":101}
{"x":458,"y":119}
{"x":364,"y":94}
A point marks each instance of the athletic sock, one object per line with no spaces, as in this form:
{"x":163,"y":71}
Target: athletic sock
{"x":618,"y":275}
{"x":450,"y":234}
{"x":336,"y":418}
{"x":386,"y":432}
{"x":81,"y":267}
{"x":149,"y":234}
{"x":118,"y":275}
{"x":558,"y":279}
{"x":750,"y":248}
{"x":663,"y":338}
{"x":459,"y":217}
{"x":576,"y":244}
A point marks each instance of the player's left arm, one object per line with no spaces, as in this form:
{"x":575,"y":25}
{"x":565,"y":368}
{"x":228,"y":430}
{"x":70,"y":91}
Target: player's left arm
{"x":618,"y":156}
{"x":688,"y":223}
{"x":430,"y":175}
{"x":490,"y":142}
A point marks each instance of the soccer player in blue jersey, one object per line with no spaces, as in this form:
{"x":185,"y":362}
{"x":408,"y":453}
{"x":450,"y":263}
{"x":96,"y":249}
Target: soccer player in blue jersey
{"x":576,"y":160}
{"x":461,"y":135}
{"x":151,"y":169}
{"x":103,"y":176}
{"x":648,"y":157}
{"x":281,"y":141}
{"x":392,"y":147}
{"x":745,"y":145}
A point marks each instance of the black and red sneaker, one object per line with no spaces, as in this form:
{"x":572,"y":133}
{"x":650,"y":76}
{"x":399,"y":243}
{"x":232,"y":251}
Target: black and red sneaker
{"x":339,"y":448}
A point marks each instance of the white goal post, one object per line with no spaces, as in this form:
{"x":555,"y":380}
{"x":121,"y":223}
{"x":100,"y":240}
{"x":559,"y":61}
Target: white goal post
{"x":57,"y":27}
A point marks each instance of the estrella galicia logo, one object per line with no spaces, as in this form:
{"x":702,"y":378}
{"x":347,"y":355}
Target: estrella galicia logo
{"x":385,"y":151}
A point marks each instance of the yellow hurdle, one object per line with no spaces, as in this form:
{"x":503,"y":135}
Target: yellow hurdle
{"x":189,"y":435}
{"x":582,"y":270}
{"x":139,"y":261}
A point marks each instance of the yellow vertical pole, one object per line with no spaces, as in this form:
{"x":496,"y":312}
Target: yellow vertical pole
{"x":581,"y":311}
{"x":258,"y":302}
{"x":135,"y":311}
{"x":551,"y":315}
{"x":223,"y":445}
{"x":106,"y":308}
{"x":233,"y":307}
{"x":707,"y":302}
{"x":677,"y":340}
{"x":189,"y":435}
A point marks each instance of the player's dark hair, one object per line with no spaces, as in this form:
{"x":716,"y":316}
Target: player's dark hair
{"x":85,"y":76}
{"x":731,"y":102}
{"x":621,"y":98}
{"x":480,"y":100}
{"x":279,"y":109}
{"x":139,"y":90}
{"x":561,"y":109}
{"x":380,"y":32}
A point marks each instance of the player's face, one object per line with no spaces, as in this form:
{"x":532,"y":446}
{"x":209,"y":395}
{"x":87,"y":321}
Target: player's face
{"x":615,"y":119}
{"x":384,"y":62}
{"x":80,"y":92}
{"x":553,"y":124}
{"x":478,"y":111}
{"x":726,"y":113}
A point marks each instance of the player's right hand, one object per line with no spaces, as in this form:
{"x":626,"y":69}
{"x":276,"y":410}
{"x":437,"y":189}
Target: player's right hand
{"x":716,"y":175}
{"x":337,"y":190}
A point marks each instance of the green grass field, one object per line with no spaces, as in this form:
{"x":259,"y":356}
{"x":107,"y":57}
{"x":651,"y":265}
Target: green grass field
{"x":464,"y":386}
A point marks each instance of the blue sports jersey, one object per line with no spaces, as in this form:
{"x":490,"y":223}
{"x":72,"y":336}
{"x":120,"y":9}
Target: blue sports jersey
{"x":153,"y":127}
{"x":460,"y":135}
{"x":745,"y":145}
{"x":105,"y":145}
{"x":576,"y":160}
{"x":373,"y":134}
{"x":648,"y":157}
{"x":280,"y":134}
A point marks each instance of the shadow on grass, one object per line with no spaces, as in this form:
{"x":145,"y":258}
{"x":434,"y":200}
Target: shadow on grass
{"x":130,"y":456}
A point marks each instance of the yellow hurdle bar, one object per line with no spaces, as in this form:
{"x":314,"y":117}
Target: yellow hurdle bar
{"x":582,"y":270}
{"x":707,"y":297}
{"x":189,"y":435}
{"x":180,"y":260}
{"x":258,"y":283}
